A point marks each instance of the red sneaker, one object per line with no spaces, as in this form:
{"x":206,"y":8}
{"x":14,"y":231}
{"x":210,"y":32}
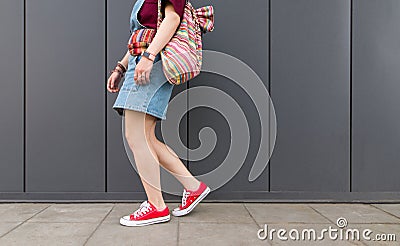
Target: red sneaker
{"x":146,"y":214}
{"x":190,"y":199}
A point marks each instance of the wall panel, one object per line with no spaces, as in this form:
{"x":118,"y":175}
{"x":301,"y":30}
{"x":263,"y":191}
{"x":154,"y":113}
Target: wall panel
{"x":11,"y":96}
{"x":376,"y":88}
{"x":65,"y":95}
{"x":310,"y":89}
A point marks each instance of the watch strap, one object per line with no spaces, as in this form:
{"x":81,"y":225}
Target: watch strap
{"x":148,"y":55}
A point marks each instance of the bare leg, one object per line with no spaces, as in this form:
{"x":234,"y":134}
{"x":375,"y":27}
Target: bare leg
{"x":137,"y":128}
{"x":171,"y":162}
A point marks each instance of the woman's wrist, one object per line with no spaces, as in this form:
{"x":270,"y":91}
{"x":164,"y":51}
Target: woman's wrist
{"x":149,"y":50}
{"x":149,"y":55}
{"x":117,"y":71}
{"x":120,"y":69}
{"x":121,"y":66}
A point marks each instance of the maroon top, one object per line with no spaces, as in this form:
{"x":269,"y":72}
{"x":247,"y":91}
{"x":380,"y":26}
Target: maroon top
{"x":147,"y":15}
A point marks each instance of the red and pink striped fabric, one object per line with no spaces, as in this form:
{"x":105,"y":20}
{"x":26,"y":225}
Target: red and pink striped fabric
{"x":182,"y":56}
{"x":140,"y":40}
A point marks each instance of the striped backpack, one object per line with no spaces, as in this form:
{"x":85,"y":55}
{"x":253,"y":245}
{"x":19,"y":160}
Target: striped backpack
{"x":182,"y":56}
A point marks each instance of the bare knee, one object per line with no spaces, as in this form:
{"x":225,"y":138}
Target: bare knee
{"x":135,"y":140}
{"x":139,"y":132}
{"x":135,"y":136}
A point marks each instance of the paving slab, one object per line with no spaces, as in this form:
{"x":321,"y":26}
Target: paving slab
{"x":277,"y":213}
{"x":19,"y":212}
{"x":115,"y":234}
{"x":74,"y":212}
{"x":38,"y":233}
{"x":7,"y":226}
{"x":220,"y":234}
{"x":393,"y":209}
{"x":218,"y":212}
{"x":355,"y":213}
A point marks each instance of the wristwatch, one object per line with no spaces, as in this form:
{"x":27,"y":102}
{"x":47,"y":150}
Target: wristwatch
{"x":148,"y":55}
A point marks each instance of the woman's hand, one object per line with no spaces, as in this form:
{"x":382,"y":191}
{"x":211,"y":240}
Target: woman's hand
{"x":142,"y":71}
{"x":113,"y":82}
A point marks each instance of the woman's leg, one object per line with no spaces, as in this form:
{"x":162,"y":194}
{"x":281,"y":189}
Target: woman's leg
{"x":138,"y":127}
{"x":171,"y":162}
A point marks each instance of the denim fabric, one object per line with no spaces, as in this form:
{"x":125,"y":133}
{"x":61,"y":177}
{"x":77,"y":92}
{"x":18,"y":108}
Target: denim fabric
{"x":152,"y":97}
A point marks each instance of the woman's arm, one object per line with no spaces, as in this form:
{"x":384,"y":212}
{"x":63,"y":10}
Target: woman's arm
{"x":163,"y":35}
{"x":166,"y":30}
{"x":115,"y":78}
{"x":125,"y":60}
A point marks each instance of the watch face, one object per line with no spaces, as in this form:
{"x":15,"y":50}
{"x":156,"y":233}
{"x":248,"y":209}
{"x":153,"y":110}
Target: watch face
{"x":147,"y":54}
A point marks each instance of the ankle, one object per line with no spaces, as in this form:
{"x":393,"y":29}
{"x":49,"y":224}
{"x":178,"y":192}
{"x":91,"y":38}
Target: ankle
{"x":160,"y":208}
{"x":193,"y":186}
{"x":159,"y":205}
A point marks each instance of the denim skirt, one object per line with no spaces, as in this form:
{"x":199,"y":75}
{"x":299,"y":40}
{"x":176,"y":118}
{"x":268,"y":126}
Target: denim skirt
{"x":151,"y":98}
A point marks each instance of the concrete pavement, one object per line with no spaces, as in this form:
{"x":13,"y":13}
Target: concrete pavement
{"x":209,"y":224}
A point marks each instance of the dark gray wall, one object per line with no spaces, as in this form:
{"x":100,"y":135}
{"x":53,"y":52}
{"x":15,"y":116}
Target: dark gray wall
{"x":65,"y":109}
{"x":12,"y":96}
{"x":376,"y":100}
{"x":331,"y":67}
{"x":310,"y":75}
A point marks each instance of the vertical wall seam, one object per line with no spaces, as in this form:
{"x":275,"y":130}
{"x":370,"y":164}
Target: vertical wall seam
{"x":351,"y":98}
{"x":24,"y":96}
{"x":105,"y":95}
{"x":269,"y":91}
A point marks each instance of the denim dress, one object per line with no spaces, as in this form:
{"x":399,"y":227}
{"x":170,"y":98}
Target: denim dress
{"x":152,"y":97}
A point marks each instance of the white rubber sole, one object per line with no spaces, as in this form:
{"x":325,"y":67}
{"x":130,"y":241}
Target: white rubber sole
{"x":177,"y":212}
{"x":126,"y":222}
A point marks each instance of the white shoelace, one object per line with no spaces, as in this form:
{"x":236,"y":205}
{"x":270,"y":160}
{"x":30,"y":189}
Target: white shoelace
{"x":143,"y":209}
{"x":185,"y":196}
